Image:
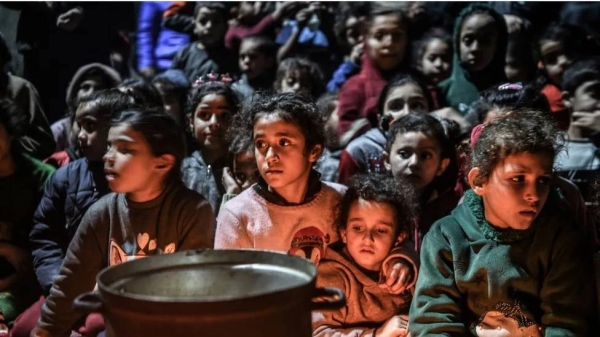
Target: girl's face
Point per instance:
(370, 233)
(92, 132)
(417, 156)
(210, 122)
(294, 81)
(354, 27)
(252, 62)
(435, 64)
(130, 167)
(386, 41)
(281, 155)
(554, 60)
(405, 99)
(478, 41)
(516, 190)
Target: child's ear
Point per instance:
(443, 165)
(567, 99)
(475, 181)
(315, 153)
(386, 161)
(343, 235)
(164, 163)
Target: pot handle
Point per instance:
(329, 304)
(88, 303)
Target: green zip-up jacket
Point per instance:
(475, 278)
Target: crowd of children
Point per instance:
(448, 184)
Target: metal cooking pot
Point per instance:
(210, 293)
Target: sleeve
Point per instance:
(331, 322)
(199, 230)
(231, 233)
(85, 257)
(263, 27)
(149, 21)
(408, 256)
(38, 140)
(351, 99)
(348, 167)
(47, 237)
(179, 17)
(436, 306)
(178, 60)
(568, 294)
(341, 75)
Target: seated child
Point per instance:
(22, 180)
(173, 87)
(207, 54)
(299, 74)
(420, 149)
(480, 39)
(329, 163)
(402, 96)
(142, 167)
(509, 260)
(243, 172)
(257, 61)
(210, 109)
(290, 209)
(68, 195)
(580, 162)
(375, 215)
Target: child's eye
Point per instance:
(284, 142)
(545, 180)
(518, 179)
(426, 155)
(356, 228)
(205, 116)
(382, 230)
(467, 40)
(418, 106)
(404, 154)
(259, 144)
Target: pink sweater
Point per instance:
(250, 221)
(367, 305)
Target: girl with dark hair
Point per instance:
(149, 212)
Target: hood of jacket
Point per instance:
(110, 75)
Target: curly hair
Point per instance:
(516, 132)
(214, 87)
(294, 108)
(305, 66)
(381, 188)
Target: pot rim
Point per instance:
(196, 257)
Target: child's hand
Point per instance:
(231, 185)
(588, 120)
(398, 277)
(356, 54)
(285, 9)
(70, 20)
(397, 326)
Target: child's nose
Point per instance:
(368, 236)
(532, 193)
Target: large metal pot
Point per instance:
(209, 293)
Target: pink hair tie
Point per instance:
(475, 133)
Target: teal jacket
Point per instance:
(474, 277)
(463, 87)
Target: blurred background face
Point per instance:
(252, 62)
(386, 41)
(478, 40)
(210, 26)
(435, 64)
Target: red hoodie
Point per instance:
(358, 97)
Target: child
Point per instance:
(348, 28)
(299, 74)
(509, 260)
(520, 66)
(173, 87)
(480, 38)
(560, 45)
(581, 93)
(329, 163)
(207, 54)
(257, 64)
(150, 212)
(375, 215)
(22, 180)
(290, 208)
(420, 148)
(88, 79)
(68, 195)
(386, 44)
(210, 109)
(432, 55)
(402, 96)
(243, 172)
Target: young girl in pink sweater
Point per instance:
(375, 215)
(290, 209)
